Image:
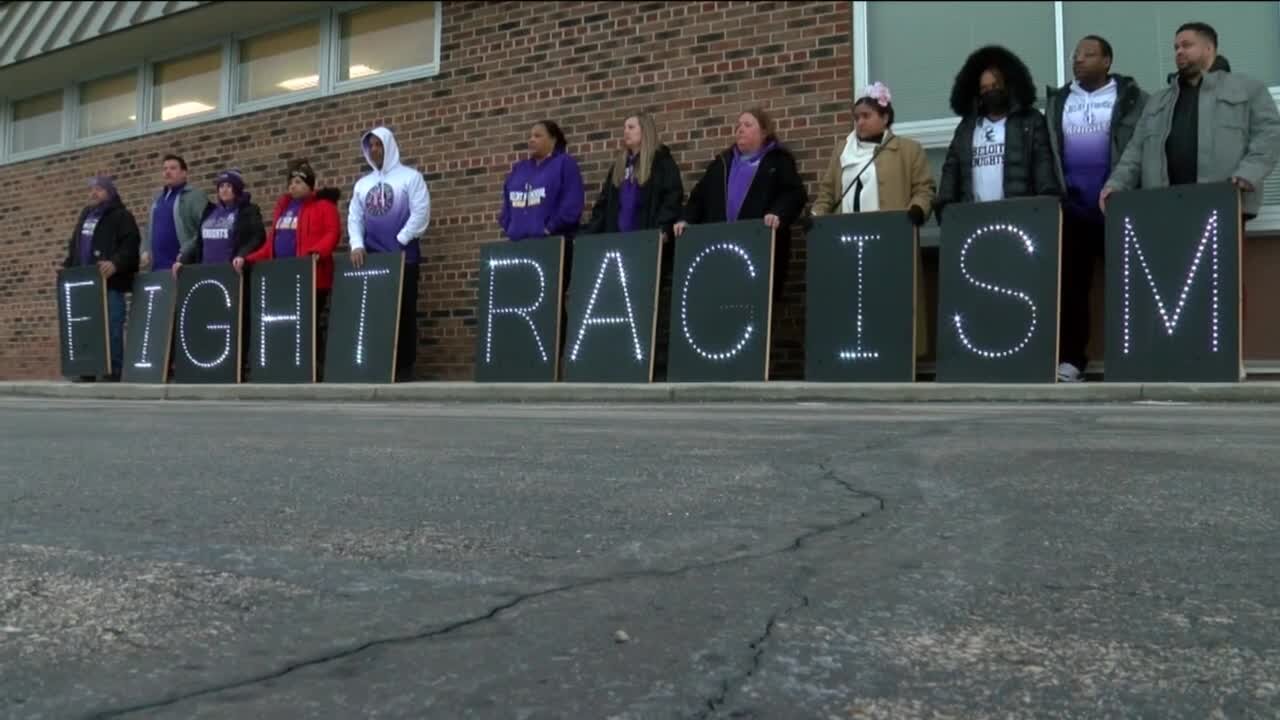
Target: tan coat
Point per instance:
(903, 180)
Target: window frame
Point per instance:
(328, 56)
(11, 127)
(937, 133)
(114, 135)
(387, 78)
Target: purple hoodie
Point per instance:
(541, 199)
(740, 177)
(215, 234)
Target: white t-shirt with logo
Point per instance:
(988, 160)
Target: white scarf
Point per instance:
(857, 154)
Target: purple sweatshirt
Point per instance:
(1086, 146)
(740, 177)
(541, 199)
(86, 235)
(164, 229)
(215, 233)
(628, 197)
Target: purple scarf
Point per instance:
(628, 197)
(741, 173)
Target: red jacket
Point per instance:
(318, 233)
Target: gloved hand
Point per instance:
(917, 215)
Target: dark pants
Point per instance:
(1083, 245)
(115, 329)
(407, 347)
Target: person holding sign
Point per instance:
(176, 213)
(390, 208)
(305, 222)
(230, 229)
(643, 189)
(1091, 121)
(756, 178)
(1001, 147)
(543, 195)
(873, 169)
(1175, 143)
(106, 235)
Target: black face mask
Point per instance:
(994, 102)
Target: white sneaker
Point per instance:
(1068, 373)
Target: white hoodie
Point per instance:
(390, 207)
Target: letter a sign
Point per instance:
(1173, 285)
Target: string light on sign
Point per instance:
(71, 321)
(1208, 241)
(496, 264)
(1022, 297)
(747, 331)
(144, 361)
(858, 353)
(364, 276)
(225, 327)
(630, 319)
(295, 318)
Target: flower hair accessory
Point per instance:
(879, 92)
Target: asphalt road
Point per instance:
(165, 560)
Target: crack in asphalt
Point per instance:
(757, 646)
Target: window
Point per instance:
(323, 52)
(1141, 35)
(37, 122)
(187, 87)
(279, 63)
(385, 38)
(109, 104)
(916, 50)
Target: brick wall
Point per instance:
(504, 66)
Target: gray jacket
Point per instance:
(1239, 136)
(187, 213)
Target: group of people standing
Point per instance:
(1100, 133)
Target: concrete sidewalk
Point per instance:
(789, 392)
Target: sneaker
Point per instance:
(1068, 373)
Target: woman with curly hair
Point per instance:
(1001, 148)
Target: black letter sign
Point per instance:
(282, 320)
(998, 292)
(364, 319)
(721, 303)
(1173, 285)
(208, 324)
(860, 319)
(613, 307)
(518, 338)
(82, 322)
(150, 331)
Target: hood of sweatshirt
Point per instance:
(390, 150)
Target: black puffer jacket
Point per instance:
(660, 198)
(1029, 169)
(115, 238)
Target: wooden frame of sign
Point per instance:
(999, 281)
(150, 328)
(95, 348)
(1173, 285)
(861, 329)
(726, 350)
(520, 360)
(219, 308)
(302, 271)
(613, 316)
(350, 355)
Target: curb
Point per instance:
(757, 392)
